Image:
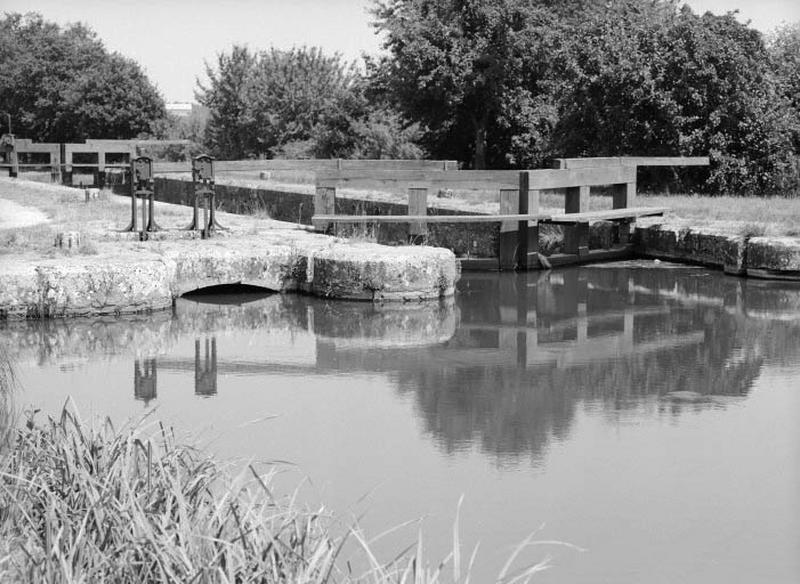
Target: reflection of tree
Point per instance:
(507, 411)
(488, 385)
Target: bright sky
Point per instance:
(171, 39)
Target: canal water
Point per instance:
(648, 414)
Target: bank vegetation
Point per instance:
(88, 502)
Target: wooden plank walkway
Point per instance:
(428, 218)
(611, 214)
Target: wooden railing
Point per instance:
(520, 201)
(317, 165)
(635, 161)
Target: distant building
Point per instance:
(180, 109)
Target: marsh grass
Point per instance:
(89, 503)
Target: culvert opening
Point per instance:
(228, 294)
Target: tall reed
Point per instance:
(89, 503)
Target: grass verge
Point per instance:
(88, 503)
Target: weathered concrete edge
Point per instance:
(742, 254)
(132, 283)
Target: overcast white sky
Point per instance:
(171, 39)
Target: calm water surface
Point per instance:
(648, 413)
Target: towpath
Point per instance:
(13, 215)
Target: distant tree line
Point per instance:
(62, 85)
(299, 104)
(512, 83)
(491, 83)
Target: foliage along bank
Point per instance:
(512, 83)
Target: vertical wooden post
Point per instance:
(55, 164)
(417, 205)
(624, 230)
(67, 175)
(14, 164)
(508, 242)
(528, 231)
(324, 204)
(576, 200)
(624, 195)
(101, 168)
(576, 237)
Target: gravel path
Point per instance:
(13, 215)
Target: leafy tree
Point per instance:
(297, 104)
(62, 85)
(784, 49)
(650, 79)
(292, 91)
(262, 103)
(230, 132)
(510, 83)
(477, 75)
(385, 133)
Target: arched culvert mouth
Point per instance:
(228, 294)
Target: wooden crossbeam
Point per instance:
(428, 218)
(381, 179)
(580, 177)
(629, 213)
(477, 179)
(313, 165)
(599, 161)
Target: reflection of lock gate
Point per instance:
(142, 187)
(204, 188)
(205, 371)
(145, 380)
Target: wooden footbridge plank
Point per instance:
(611, 214)
(429, 218)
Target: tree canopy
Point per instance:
(511, 83)
(491, 83)
(62, 85)
(476, 75)
(298, 103)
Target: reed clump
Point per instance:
(89, 503)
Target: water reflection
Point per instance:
(145, 380)
(504, 368)
(205, 370)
